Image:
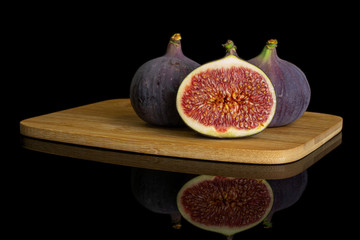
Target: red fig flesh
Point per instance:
(227, 98)
(291, 85)
(225, 205)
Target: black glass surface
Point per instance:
(68, 56)
(70, 190)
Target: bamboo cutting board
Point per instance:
(113, 124)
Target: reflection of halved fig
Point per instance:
(157, 190)
(227, 98)
(225, 205)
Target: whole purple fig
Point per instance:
(291, 85)
(155, 84)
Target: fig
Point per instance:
(225, 205)
(157, 190)
(286, 193)
(154, 86)
(291, 85)
(227, 98)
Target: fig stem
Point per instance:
(176, 220)
(271, 44)
(269, 49)
(230, 48)
(174, 47)
(175, 39)
(229, 237)
(267, 223)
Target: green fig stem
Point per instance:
(267, 223)
(269, 50)
(230, 48)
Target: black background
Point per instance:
(62, 56)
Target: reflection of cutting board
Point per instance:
(114, 125)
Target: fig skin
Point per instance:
(218, 194)
(229, 103)
(286, 193)
(154, 86)
(291, 85)
(157, 191)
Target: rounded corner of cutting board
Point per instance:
(26, 128)
(282, 156)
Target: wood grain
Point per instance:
(113, 124)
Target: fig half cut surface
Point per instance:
(227, 98)
(225, 205)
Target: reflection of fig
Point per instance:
(157, 190)
(225, 205)
(286, 193)
(227, 98)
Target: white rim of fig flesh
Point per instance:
(225, 230)
(231, 131)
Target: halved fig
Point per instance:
(227, 98)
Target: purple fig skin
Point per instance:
(286, 193)
(291, 85)
(155, 84)
(157, 190)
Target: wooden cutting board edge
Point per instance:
(32, 129)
